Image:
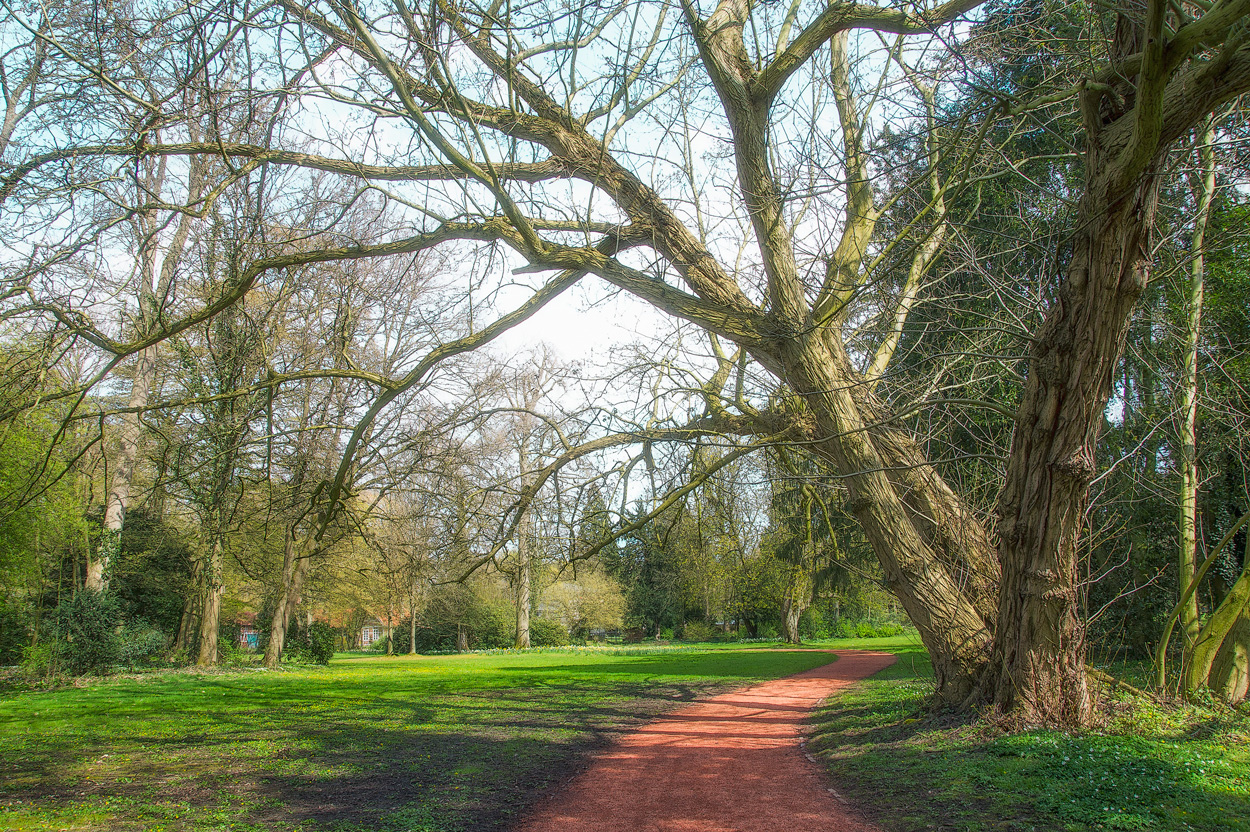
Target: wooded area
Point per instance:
(938, 308)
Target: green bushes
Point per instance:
(451, 612)
(313, 644)
(866, 629)
(86, 634)
(545, 633)
(14, 632)
(699, 631)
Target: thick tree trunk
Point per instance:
(189, 626)
(936, 557)
(796, 599)
(210, 618)
(1038, 671)
(1230, 674)
(524, 567)
(294, 567)
(522, 594)
(1199, 665)
(791, 612)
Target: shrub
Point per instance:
(37, 659)
(812, 624)
(312, 645)
(449, 610)
(546, 633)
(84, 634)
(140, 643)
(698, 631)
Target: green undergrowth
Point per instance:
(411, 744)
(1148, 767)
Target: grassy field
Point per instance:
(1147, 768)
(369, 743)
(453, 743)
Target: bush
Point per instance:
(84, 634)
(37, 659)
(312, 645)
(449, 610)
(812, 624)
(698, 631)
(845, 628)
(139, 644)
(546, 633)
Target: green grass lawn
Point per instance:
(1148, 768)
(469, 742)
(369, 743)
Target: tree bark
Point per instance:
(210, 617)
(936, 599)
(524, 566)
(412, 618)
(1230, 674)
(189, 626)
(1187, 520)
(118, 501)
(294, 567)
(1039, 662)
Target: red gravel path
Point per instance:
(732, 763)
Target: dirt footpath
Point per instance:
(733, 763)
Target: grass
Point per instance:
(370, 743)
(467, 743)
(1148, 767)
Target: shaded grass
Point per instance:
(407, 743)
(1149, 767)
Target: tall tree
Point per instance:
(503, 105)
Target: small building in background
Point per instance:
(370, 632)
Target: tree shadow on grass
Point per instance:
(473, 761)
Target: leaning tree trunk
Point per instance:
(1038, 671)
(935, 570)
(1230, 674)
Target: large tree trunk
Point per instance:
(797, 598)
(210, 617)
(189, 625)
(294, 567)
(522, 593)
(935, 569)
(524, 567)
(1230, 674)
(1038, 672)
